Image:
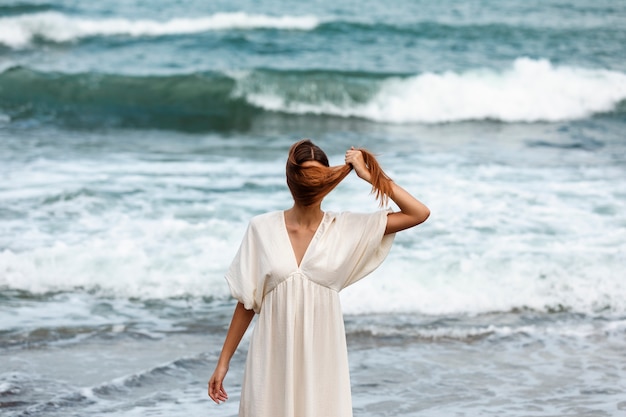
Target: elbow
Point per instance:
(423, 215)
(418, 217)
(406, 220)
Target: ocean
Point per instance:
(137, 139)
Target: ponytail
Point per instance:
(381, 183)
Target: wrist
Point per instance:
(223, 363)
(367, 177)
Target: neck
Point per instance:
(305, 215)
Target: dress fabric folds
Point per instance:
(297, 363)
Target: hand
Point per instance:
(354, 157)
(216, 389)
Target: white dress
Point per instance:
(297, 363)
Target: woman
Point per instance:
(289, 269)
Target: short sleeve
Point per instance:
(244, 272)
(368, 244)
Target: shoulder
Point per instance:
(351, 222)
(348, 216)
(266, 219)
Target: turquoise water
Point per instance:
(138, 138)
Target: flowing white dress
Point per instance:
(297, 363)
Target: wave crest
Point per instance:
(530, 91)
(20, 31)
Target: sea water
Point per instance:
(137, 140)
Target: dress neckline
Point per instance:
(313, 239)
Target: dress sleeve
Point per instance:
(244, 272)
(368, 244)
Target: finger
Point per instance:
(218, 393)
(213, 391)
(217, 398)
(352, 158)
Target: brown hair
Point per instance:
(310, 184)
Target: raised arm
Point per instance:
(238, 326)
(412, 211)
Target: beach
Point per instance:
(137, 140)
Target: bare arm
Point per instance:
(412, 211)
(238, 326)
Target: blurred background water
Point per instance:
(138, 138)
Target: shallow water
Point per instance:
(501, 364)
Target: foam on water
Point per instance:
(20, 31)
(173, 258)
(458, 329)
(170, 234)
(130, 260)
(116, 227)
(530, 91)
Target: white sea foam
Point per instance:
(129, 261)
(462, 332)
(20, 31)
(530, 91)
(428, 271)
(475, 284)
(132, 227)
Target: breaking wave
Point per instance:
(528, 91)
(20, 31)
